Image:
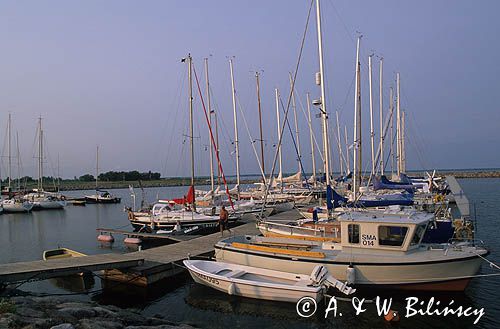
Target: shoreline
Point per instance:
(205, 181)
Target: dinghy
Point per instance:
(259, 283)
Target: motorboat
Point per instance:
(260, 283)
(375, 249)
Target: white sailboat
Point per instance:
(40, 198)
(100, 196)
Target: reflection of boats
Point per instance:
(259, 283)
(73, 283)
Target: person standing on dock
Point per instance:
(223, 221)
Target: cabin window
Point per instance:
(419, 233)
(353, 233)
(391, 235)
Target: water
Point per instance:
(26, 236)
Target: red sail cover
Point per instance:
(186, 199)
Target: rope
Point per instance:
(488, 261)
(287, 109)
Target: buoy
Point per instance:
(129, 240)
(230, 289)
(105, 238)
(392, 316)
(350, 275)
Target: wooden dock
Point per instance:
(139, 268)
(39, 270)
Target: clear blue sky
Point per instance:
(109, 73)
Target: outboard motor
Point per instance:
(318, 275)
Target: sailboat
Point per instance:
(13, 203)
(40, 198)
(100, 196)
(178, 216)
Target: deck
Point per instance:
(141, 267)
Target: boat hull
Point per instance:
(254, 289)
(446, 275)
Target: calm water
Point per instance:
(25, 236)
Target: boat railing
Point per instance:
(297, 229)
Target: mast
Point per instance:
(348, 156)
(398, 125)
(217, 146)
(403, 146)
(280, 175)
(191, 130)
(312, 139)
(357, 127)
(18, 163)
(323, 102)
(235, 117)
(294, 107)
(260, 125)
(372, 133)
(210, 127)
(391, 113)
(97, 168)
(40, 154)
(381, 119)
(340, 146)
(9, 152)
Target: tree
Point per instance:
(86, 178)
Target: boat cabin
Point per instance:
(365, 230)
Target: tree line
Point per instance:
(115, 176)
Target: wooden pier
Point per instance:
(139, 268)
(39, 270)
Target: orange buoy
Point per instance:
(129, 240)
(105, 238)
(392, 316)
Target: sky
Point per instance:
(108, 73)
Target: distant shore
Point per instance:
(71, 185)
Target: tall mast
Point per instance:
(391, 113)
(209, 128)
(347, 152)
(10, 155)
(191, 130)
(312, 139)
(372, 132)
(381, 119)
(217, 146)
(277, 96)
(97, 167)
(40, 155)
(357, 127)
(58, 174)
(398, 125)
(235, 117)
(260, 125)
(403, 146)
(324, 113)
(18, 163)
(294, 107)
(339, 144)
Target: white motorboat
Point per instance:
(16, 205)
(259, 283)
(383, 250)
